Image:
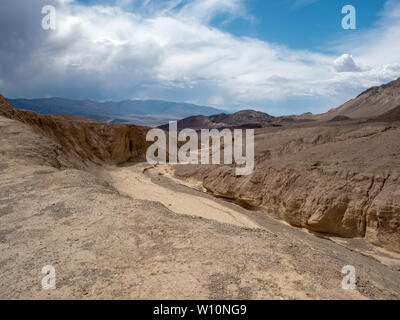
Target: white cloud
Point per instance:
(168, 50)
(346, 63)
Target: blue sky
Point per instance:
(281, 57)
(303, 24)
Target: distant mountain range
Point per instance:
(377, 104)
(142, 112)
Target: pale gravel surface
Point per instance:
(132, 181)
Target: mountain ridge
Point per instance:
(142, 112)
(377, 103)
(370, 103)
(240, 119)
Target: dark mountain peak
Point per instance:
(240, 119)
(249, 111)
(252, 114)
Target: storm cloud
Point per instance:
(169, 50)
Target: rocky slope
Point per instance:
(390, 116)
(337, 179)
(369, 104)
(83, 141)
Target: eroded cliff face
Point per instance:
(341, 180)
(84, 142)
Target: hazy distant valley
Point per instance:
(141, 112)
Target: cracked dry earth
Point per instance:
(131, 232)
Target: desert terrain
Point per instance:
(78, 195)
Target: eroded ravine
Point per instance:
(157, 183)
(132, 181)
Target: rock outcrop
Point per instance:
(342, 180)
(85, 142)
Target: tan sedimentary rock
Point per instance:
(85, 141)
(341, 180)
